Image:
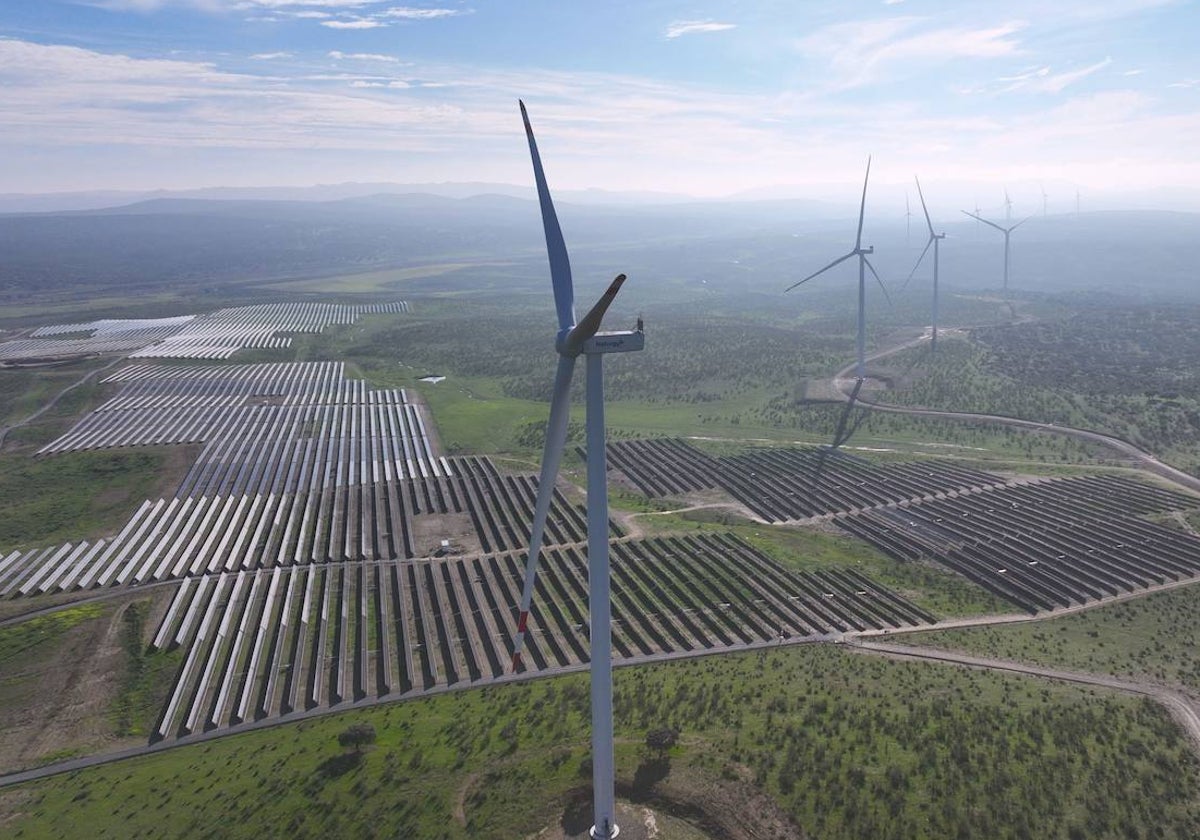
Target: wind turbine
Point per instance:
(1007, 206)
(573, 339)
(1007, 231)
(1042, 187)
(934, 239)
(907, 222)
(863, 264)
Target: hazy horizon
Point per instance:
(703, 100)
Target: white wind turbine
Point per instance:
(907, 222)
(1007, 231)
(934, 239)
(573, 339)
(863, 264)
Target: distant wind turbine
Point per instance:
(1007, 206)
(1007, 231)
(907, 221)
(1042, 187)
(863, 264)
(934, 239)
(575, 338)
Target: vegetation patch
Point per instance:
(149, 675)
(847, 746)
(1151, 638)
(72, 495)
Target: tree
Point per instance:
(357, 735)
(662, 739)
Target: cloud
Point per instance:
(1042, 81)
(271, 56)
(354, 23)
(338, 55)
(690, 27)
(166, 120)
(859, 52)
(411, 13)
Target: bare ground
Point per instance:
(57, 700)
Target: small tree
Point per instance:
(357, 735)
(662, 739)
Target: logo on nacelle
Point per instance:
(622, 342)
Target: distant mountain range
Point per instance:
(96, 200)
(228, 238)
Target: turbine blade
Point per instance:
(822, 271)
(882, 287)
(862, 207)
(1018, 224)
(923, 207)
(556, 438)
(985, 221)
(918, 263)
(590, 323)
(556, 248)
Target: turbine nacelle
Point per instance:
(571, 340)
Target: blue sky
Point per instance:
(686, 97)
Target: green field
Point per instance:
(1153, 638)
(847, 746)
(73, 495)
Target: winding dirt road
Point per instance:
(4, 430)
(1181, 707)
(843, 383)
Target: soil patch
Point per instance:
(59, 685)
(680, 801)
(430, 529)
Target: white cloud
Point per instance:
(690, 27)
(860, 51)
(412, 13)
(354, 23)
(1042, 81)
(459, 122)
(338, 55)
(271, 56)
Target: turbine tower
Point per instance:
(934, 239)
(575, 339)
(1042, 187)
(1007, 231)
(863, 264)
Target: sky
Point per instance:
(766, 98)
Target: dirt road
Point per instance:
(1181, 707)
(843, 384)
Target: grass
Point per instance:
(848, 746)
(1151, 638)
(30, 638)
(73, 495)
(149, 675)
(938, 591)
(384, 281)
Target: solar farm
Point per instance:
(326, 552)
(1041, 543)
(323, 551)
